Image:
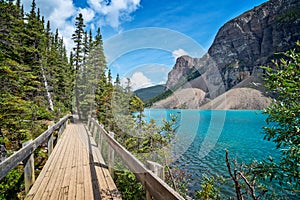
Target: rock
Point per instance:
(240, 47)
(184, 98)
(183, 67)
(251, 39)
(239, 99)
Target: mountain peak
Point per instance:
(240, 47)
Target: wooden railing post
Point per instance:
(29, 176)
(65, 124)
(158, 170)
(97, 134)
(50, 141)
(94, 130)
(50, 144)
(100, 140)
(91, 129)
(89, 123)
(94, 133)
(61, 129)
(111, 157)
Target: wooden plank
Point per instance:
(88, 186)
(44, 177)
(91, 184)
(72, 185)
(108, 189)
(73, 171)
(64, 189)
(81, 174)
(58, 183)
(57, 169)
(99, 166)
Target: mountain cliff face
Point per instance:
(240, 47)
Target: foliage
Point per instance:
(12, 184)
(31, 57)
(209, 189)
(283, 80)
(129, 186)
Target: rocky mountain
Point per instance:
(240, 47)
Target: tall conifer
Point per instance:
(78, 57)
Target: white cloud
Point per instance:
(138, 80)
(87, 14)
(179, 52)
(59, 13)
(62, 14)
(116, 11)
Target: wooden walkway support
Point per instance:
(156, 188)
(75, 170)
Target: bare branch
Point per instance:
(234, 177)
(228, 165)
(250, 186)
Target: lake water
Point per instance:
(203, 136)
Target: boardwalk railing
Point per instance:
(25, 154)
(156, 188)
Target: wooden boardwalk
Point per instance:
(74, 170)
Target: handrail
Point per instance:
(157, 188)
(25, 152)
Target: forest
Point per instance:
(41, 82)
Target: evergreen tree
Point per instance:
(78, 40)
(78, 57)
(109, 77)
(93, 69)
(25, 61)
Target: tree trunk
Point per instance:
(51, 106)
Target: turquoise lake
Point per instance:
(203, 136)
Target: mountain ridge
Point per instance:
(148, 93)
(241, 46)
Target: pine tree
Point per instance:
(92, 70)
(78, 58)
(17, 80)
(78, 40)
(96, 66)
(109, 77)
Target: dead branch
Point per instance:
(234, 177)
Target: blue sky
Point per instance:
(147, 34)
